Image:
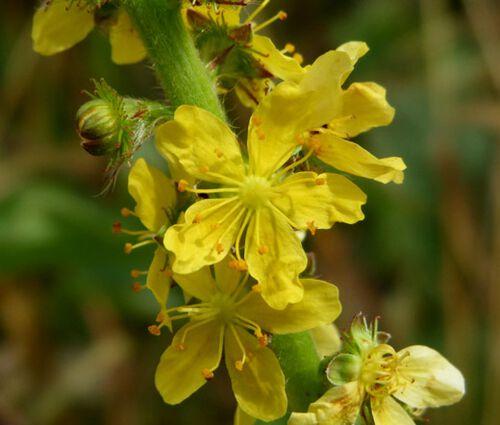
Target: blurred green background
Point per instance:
(74, 348)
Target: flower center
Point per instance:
(224, 307)
(254, 192)
(379, 373)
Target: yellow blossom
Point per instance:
(372, 372)
(60, 24)
(322, 115)
(233, 319)
(261, 203)
(155, 198)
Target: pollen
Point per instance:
(125, 212)
(219, 153)
(319, 181)
(256, 120)
(240, 265)
(127, 248)
(238, 364)
(180, 346)
(263, 341)
(154, 330)
(298, 58)
(117, 227)
(257, 288)
(204, 168)
(219, 248)
(214, 226)
(182, 185)
(261, 135)
(282, 15)
(197, 218)
(312, 228)
(207, 374)
(137, 287)
(263, 249)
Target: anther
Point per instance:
(300, 140)
(160, 317)
(136, 273)
(117, 227)
(240, 265)
(256, 121)
(207, 374)
(260, 134)
(197, 218)
(282, 15)
(214, 226)
(263, 249)
(127, 248)
(204, 168)
(312, 228)
(298, 58)
(180, 346)
(257, 288)
(137, 287)
(289, 47)
(219, 248)
(319, 181)
(219, 153)
(125, 212)
(238, 364)
(154, 330)
(263, 341)
(182, 185)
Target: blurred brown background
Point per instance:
(73, 342)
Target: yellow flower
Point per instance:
(318, 111)
(60, 24)
(155, 198)
(234, 319)
(262, 199)
(241, 58)
(372, 372)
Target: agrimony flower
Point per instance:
(60, 24)
(261, 203)
(233, 319)
(323, 116)
(369, 373)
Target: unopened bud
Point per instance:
(97, 125)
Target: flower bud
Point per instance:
(344, 368)
(97, 125)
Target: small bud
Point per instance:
(344, 368)
(97, 125)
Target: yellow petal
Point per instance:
(339, 405)
(352, 158)
(126, 45)
(387, 411)
(58, 26)
(326, 339)
(241, 418)
(207, 236)
(364, 106)
(259, 387)
(319, 306)
(355, 50)
(291, 109)
(199, 284)
(275, 258)
(298, 418)
(313, 200)
(430, 379)
(203, 144)
(251, 91)
(279, 65)
(154, 194)
(226, 278)
(158, 280)
(180, 371)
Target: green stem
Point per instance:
(301, 366)
(182, 74)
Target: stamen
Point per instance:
(154, 330)
(182, 185)
(207, 374)
(128, 247)
(240, 234)
(240, 265)
(295, 164)
(238, 364)
(160, 317)
(288, 220)
(256, 120)
(256, 12)
(217, 206)
(260, 134)
(137, 287)
(298, 58)
(289, 48)
(125, 212)
(263, 249)
(194, 325)
(263, 341)
(257, 288)
(319, 181)
(219, 153)
(204, 168)
(312, 228)
(117, 227)
(219, 248)
(136, 273)
(281, 15)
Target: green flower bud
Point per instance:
(344, 368)
(97, 125)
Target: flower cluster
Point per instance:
(225, 225)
